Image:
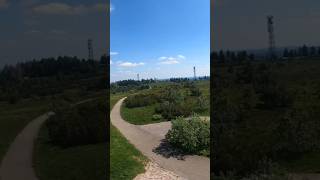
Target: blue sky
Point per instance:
(159, 38)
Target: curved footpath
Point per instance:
(192, 167)
(17, 163)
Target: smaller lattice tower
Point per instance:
(272, 44)
(194, 73)
(90, 50)
(138, 78)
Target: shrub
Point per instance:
(141, 100)
(195, 91)
(202, 104)
(156, 117)
(172, 110)
(79, 125)
(191, 136)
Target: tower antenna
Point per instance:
(90, 50)
(194, 73)
(138, 77)
(272, 43)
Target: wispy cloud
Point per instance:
(56, 8)
(111, 8)
(171, 60)
(113, 53)
(130, 64)
(3, 3)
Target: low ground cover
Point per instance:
(166, 101)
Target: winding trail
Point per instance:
(17, 163)
(192, 167)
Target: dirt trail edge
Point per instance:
(192, 167)
(17, 163)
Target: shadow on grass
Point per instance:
(167, 150)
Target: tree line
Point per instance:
(48, 76)
(240, 56)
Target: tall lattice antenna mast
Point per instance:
(272, 43)
(90, 50)
(194, 73)
(138, 77)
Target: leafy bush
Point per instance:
(201, 104)
(192, 136)
(156, 117)
(172, 110)
(141, 100)
(79, 125)
(195, 91)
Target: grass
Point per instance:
(125, 161)
(139, 115)
(80, 162)
(14, 117)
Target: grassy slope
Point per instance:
(143, 115)
(14, 117)
(125, 161)
(80, 162)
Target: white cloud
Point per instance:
(181, 56)
(113, 53)
(3, 3)
(171, 60)
(130, 64)
(111, 8)
(56, 8)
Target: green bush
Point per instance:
(156, 117)
(191, 136)
(141, 100)
(172, 110)
(79, 125)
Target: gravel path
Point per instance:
(17, 163)
(190, 167)
(155, 172)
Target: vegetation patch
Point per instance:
(166, 101)
(83, 162)
(190, 135)
(78, 125)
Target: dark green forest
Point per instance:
(50, 76)
(266, 113)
